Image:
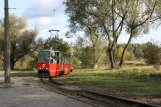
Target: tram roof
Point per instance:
(49, 50)
(54, 51)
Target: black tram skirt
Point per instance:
(43, 74)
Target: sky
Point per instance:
(40, 13)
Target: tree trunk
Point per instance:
(124, 50)
(111, 58)
(12, 64)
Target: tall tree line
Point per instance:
(109, 18)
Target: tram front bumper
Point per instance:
(43, 74)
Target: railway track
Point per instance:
(56, 87)
(106, 100)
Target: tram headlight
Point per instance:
(40, 68)
(47, 68)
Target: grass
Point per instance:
(23, 73)
(141, 80)
(130, 79)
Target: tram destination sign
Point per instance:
(44, 52)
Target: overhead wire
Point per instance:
(39, 9)
(54, 10)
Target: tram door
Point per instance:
(55, 60)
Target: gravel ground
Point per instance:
(28, 94)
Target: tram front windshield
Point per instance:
(44, 57)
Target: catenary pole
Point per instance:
(6, 43)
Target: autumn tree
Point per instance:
(140, 17)
(21, 40)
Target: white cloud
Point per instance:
(43, 8)
(40, 14)
(41, 1)
(45, 21)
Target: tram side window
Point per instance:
(54, 58)
(57, 57)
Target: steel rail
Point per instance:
(59, 90)
(107, 99)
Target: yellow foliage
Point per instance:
(119, 54)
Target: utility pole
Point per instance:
(6, 43)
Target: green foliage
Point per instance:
(87, 58)
(33, 62)
(137, 50)
(76, 62)
(22, 41)
(103, 60)
(78, 47)
(109, 17)
(56, 44)
(152, 53)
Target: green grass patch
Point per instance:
(142, 80)
(23, 73)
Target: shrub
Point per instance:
(152, 53)
(76, 62)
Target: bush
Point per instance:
(152, 53)
(76, 62)
(87, 58)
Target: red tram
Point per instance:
(53, 63)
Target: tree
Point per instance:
(1, 39)
(76, 62)
(84, 52)
(152, 53)
(56, 44)
(52, 43)
(118, 54)
(110, 17)
(23, 46)
(21, 40)
(96, 43)
(107, 16)
(138, 22)
(87, 57)
(138, 50)
(1, 45)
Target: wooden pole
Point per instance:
(6, 43)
